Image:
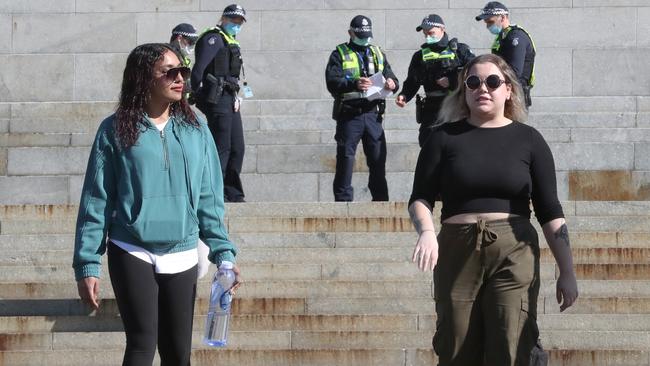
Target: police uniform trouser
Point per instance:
(349, 130)
(228, 133)
(486, 284)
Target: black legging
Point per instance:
(155, 308)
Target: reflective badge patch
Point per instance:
(515, 41)
(212, 40)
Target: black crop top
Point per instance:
(488, 170)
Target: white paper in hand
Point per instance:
(377, 91)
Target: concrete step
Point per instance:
(358, 323)
(603, 241)
(333, 224)
(375, 357)
(582, 340)
(108, 307)
(250, 289)
(346, 270)
(333, 209)
(324, 289)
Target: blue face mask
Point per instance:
(363, 42)
(495, 29)
(231, 28)
(432, 39)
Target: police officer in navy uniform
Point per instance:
(512, 43)
(435, 67)
(184, 38)
(215, 84)
(357, 117)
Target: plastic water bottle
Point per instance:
(216, 326)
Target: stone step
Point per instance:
(332, 224)
(359, 322)
(375, 357)
(609, 245)
(250, 289)
(346, 270)
(582, 340)
(332, 209)
(108, 307)
(326, 289)
(316, 158)
(547, 304)
(324, 134)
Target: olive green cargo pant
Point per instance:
(486, 284)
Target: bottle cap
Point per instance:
(226, 265)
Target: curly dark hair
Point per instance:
(135, 94)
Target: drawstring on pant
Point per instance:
(484, 234)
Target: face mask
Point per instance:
(362, 41)
(432, 39)
(495, 29)
(232, 28)
(187, 50)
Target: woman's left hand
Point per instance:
(567, 290)
(238, 280)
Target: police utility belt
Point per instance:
(341, 109)
(426, 108)
(214, 87)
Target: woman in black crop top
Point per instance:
(487, 168)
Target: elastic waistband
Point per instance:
(493, 223)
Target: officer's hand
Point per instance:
(363, 84)
(400, 101)
(443, 82)
(390, 84)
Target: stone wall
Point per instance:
(63, 61)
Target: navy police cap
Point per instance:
(491, 9)
(234, 10)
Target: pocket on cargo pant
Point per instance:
(441, 337)
(529, 349)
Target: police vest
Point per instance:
(228, 61)
(351, 65)
(496, 46)
(187, 62)
(431, 56)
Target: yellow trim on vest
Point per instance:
(350, 60)
(229, 39)
(496, 46)
(428, 55)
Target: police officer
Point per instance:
(357, 117)
(215, 84)
(183, 39)
(435, 67)
(512, 43)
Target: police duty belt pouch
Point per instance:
(212, 89)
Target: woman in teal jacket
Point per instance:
(152, 188)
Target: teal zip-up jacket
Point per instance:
(161, 194)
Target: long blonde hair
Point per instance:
(454, 107)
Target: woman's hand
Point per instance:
(238, 281)
(426, 251)
(88, 289)
(567, 290)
